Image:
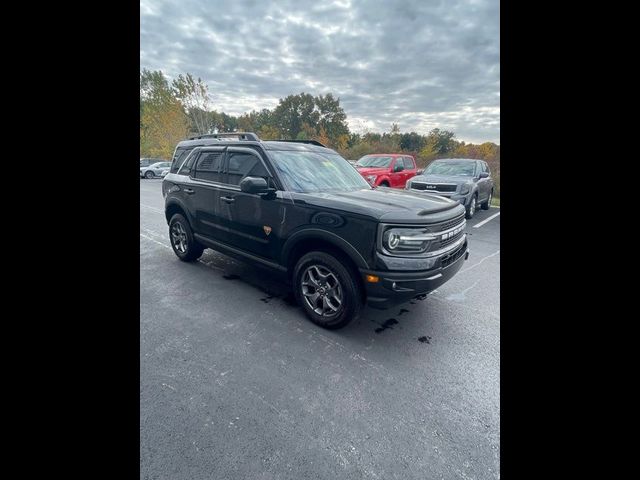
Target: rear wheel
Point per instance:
(327, 290)
(487, 204)
(384, 184)
(149, 174)
(184, 245)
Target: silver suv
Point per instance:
(155, 170)
(467, 181)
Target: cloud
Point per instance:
(419, 63)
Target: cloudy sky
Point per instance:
(419, 63)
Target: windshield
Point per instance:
(316, 172)
(374, 161)
(451, 168)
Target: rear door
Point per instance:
(409, 169)
(396, 178)
(204, 190)
(484, 183)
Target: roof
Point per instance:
(295, 145)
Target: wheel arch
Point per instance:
(176, 206)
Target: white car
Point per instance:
(155, 170)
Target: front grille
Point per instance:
(447, 242)
(434, 187)
(453, 256)
(454, 222)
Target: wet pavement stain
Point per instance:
(403, 310)
(268, 298)
(425, 339)
(388, 324)
(230, 276)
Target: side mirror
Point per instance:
(398, 168)
(420, 171)
(255, 185)
(483, 174)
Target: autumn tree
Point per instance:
(163, 122)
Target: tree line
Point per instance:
(171, 112)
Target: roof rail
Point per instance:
(240, 135)
(310, 142)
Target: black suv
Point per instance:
(303, 210)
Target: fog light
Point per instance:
(373, 279)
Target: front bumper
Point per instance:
(396, 287)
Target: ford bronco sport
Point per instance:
(301, 209)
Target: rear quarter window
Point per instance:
(178, 158)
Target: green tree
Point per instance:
(292, 112)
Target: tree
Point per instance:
(194, 96)
(163, 122)
(292, 111)
(331, 117)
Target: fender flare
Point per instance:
(324, 235)
(178, 203)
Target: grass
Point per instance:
(495, 201)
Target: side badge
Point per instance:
(267, 229)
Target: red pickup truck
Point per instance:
(387, 170)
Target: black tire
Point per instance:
(384, 184)
(149, 174)
(347, 290)
(487, 204)
(472, 207)
(182, 241)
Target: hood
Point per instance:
(442, 179)
(386, 205)
(372, 170)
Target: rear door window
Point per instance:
(208, 166)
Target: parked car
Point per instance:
(382, 170)
(147, 162)
(466, 181)
(154, 170)
(300, 209)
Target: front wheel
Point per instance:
(327, 290)
(149, 174)
(471, 208)
(184, 245)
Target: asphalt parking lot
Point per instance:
(236, 383)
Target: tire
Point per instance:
(182, 241)
(384, 184)
(340, 300)
(471, 208)
(149, 174)
(487, 204)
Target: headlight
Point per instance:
(408, 185)
(406, 240)
(465, 188)
(371, 178)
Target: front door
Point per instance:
(250, 222)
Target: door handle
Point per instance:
(189, 191)
(228, 199)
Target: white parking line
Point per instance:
(151, 208)
(478, 225)
(155, 241)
